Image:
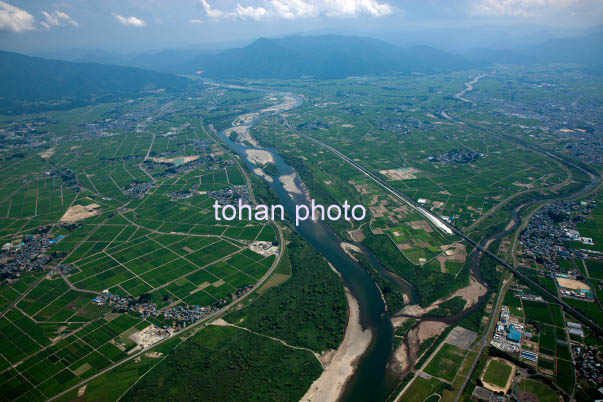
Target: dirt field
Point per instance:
(572, 284)
(456, 252)
(405, 355)
(400, 174)
(200, 287)
(349, 248)
(82, 391)
(78, 212)
(471, 293)
(273, 281)
(428, 329)
(418, 225)
(356, 235)
(495, 388)
(178, 160)
(148, 336)
(48, 153)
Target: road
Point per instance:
(484, 341)
(199, 324)
(434, 219)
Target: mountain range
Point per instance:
(336, 56)
(325, 57)
(586, 50)
(33, 79)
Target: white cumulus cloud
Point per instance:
(294, 9)
(209, 11)
(57, 18)
(524, 8)
(130, 21)
(14, 19)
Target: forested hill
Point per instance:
(327, 56)
(24, 78)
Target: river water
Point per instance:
(372, 380)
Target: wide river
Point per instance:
(371, 380)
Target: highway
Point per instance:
(434, 219)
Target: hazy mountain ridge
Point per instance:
(36, 79)
(586, 50)
(337, 56)
(324, 57)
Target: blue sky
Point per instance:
(155, 24)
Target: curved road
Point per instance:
(590, 187)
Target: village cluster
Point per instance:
(588, 365)
(27, 253)
(177, 317)
(231, 195)
(456, 156)
(185, 194)
(136, 189)
(544, 239)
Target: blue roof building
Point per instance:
(514, 335)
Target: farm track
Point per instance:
(193, 328)
(197, 325)
(589, 188)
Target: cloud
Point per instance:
(294, 9)
(14, 19)
(130, 21)
(195, 21)
(209, 11)
(523, 8)
(57, 19)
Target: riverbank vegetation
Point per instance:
(394, 297)
(309, 310)
(229, 364)
(429, 285)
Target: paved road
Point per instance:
(484, 342)
(201, 323)
(595, 182)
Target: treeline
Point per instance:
(449, 307)
(224, 364)
(309, 310)
(394, 297)
(429, 285)
(333, 194)
(231, 364)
